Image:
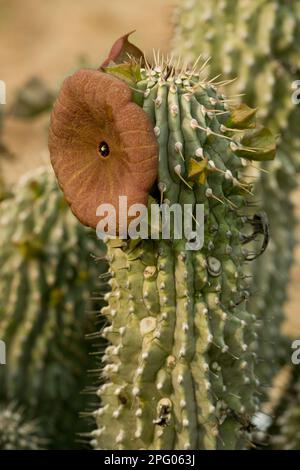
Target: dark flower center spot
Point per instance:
(104, 149)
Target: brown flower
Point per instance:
(102, 145)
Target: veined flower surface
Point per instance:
(102, 145)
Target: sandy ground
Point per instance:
(49, 39)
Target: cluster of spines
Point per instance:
(18, 434)
(253, 41)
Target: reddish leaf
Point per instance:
(121, 50)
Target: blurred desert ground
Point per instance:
(49, 39)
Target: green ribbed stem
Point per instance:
(178, 358)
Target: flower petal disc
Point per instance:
(102, 145)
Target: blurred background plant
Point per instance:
(50, 292)
(16, 433)
(253, 43)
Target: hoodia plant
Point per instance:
(255, 43)
(180, 367)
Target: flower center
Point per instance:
(104, 149)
